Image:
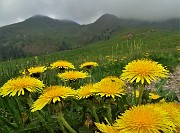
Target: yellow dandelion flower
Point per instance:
(173, 112)
(110, 86)
(88, 65)
(62, 64)
(34, 71)
(52, 94)
(153, 96)
(144, 119)
(143, 70)
(85, 91)
(38, 69)
(176, 105)
(20, 85)
(73, 75)
(106, 128)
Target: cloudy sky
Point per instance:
(87, 11)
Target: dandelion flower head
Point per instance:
(52, 94)
(73, 75)
(110, 87)
(176, 105)
(144, 119)
(173, 112)
(62, 64)
(88, 64)
(143, 70)
(38, 69)
(154, 96)
(20, 85)
(85, 91)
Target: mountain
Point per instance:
(41, 34)
(39, 22)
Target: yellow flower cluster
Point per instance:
(150, 118)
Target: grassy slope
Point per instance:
(158, 41)
(160, 45)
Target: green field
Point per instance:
(157, 43)
(112, 55)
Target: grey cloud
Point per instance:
(87, 11)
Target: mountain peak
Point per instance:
(36, 17)
(107, 18)
(39, 16)
(40, 20)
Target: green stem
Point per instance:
(141, 94)
(135, 101)
(90, 76)
(94, 112)
(61, 125)
(30, 102)
(64, 122)
(109, 112)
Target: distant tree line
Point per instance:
(9, 52)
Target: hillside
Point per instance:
(40, 34)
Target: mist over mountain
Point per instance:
(41, 34)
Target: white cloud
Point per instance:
(86, 11)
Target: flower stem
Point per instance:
(61, 125)
(90, 73)
(141, 94)
(109, 112)
(94, 112)
(135, 99)
(64, 122)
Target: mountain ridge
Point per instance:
(107, 15)
(41, 34)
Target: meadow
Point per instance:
(95, 110)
